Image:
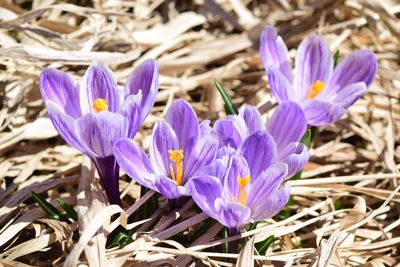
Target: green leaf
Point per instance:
(153, 202)
(252, 226)
(306, 139)
(225, 246)
(263, 246)
(71, 212)
(230, 108)
(144, 209)
(336, 57)
(290, 201)
(51, 211)
(121, 239)
(283, 214)
(149, 207)
(338, 204)
(297, 176)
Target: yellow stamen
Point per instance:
(242, 182)
(100, 104)
(177, 157)
(315, 89)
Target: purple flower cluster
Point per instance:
(237, 169)
(247, 182)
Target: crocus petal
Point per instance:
(259, 150)
(313, 62)
(163, 140)
(205, 127)
(183, 121)
(65, 125)
(205, 190)
(231, 131)
(350, 94)
(225, 151)
(203, 153)
(267, 182)
(237, 166)
(288, 124)
(62, 90)
(360, 66)
(319, 113)
(295, 155)
(274, 52)
(132, 159)
(252, 118)
(231, 214)
(216, 168)
(144, 78)
(132, 110)
(99, 132)
(169, 189)
(281, 88)
(272, 204)
(98, 82)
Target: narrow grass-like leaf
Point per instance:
(263, 246)
(282, 215)
(144, 210)
(252, 226)
(51, 211)
(71, 212)
(285, 213)
(121, 239)
(151, 205)
(230, 108)
(225, 246)
(306, 139)
(336, 57)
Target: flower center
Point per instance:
(176, 156)
(315, 89)
(100, 104)
(243, 182)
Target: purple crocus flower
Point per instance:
(287, 126)
(244, 187)
(247, 182)
(92, 115)
(178, 149)
(324, 94)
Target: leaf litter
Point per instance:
(345, 209)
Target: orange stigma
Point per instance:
(315, 89)
(243, 182)
(177, 157)
(100, 104)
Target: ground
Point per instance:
(344, 210)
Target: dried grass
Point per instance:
(354, 163)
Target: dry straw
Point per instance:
(346, 207)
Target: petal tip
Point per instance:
(269, 31)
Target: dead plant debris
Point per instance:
(345, 210)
